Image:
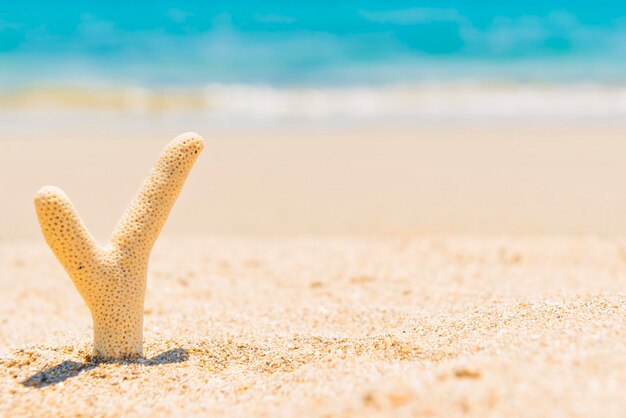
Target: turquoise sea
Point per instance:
(364, 57)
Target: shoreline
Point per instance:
(460, 101)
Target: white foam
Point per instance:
(425, 101)
(406, 103)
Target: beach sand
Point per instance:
(332, 327)
(446, 272)
(479, 180)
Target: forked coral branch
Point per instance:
(112, 279)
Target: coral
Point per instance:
(112, 279)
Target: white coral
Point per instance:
(112, 279)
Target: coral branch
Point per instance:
(112, 279)
(146, 215)
(66, 234)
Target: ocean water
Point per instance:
(285, 59)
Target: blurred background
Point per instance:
(349, 117)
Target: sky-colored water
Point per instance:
(327, 43)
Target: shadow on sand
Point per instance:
(68, 369)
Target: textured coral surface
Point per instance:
(112, 279)
(318, 327)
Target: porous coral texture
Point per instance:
(112, 279)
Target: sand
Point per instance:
(327, 326)
(478, 180)
(449, 271)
